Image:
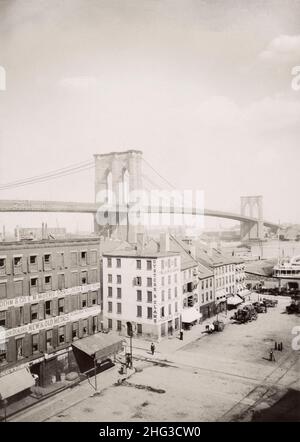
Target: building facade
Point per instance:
(49, 297)
(143, 288)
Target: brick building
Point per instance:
(49, 298)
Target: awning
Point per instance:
(99, 346)
(234, 300)
(190, 315)
(220, 296)
(16, 382)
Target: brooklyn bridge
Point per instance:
(114, 168)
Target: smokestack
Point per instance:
(17, 233)
(140, 242)
(3, 233)
(164, 242)
(43, 231)
(192, 250)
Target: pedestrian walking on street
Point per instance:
(272, 357)
(181, 334)
(152, 348)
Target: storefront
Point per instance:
(190, 316)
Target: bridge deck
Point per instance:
(82, 207)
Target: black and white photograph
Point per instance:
(149, 215)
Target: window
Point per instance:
(139, 329)
(139, 295)
(169, 293)
(33, 282)
(139, 311)
(169, 279)
(162, 281)
(109, 292)
(169, 262)
(162, 296)
(83, 300)
(118, 262)
(206, 284)
(109, 307)
(119, 308)
(202, 285)
(34, 312)
(61, 335)
(162, 312)
(170, 309)
(175, 278)
(119, 292)
(109, 278)
(149, 282)
(211, 294)
(162, 264)
(149, 296)
(175, 262)
(175, 292)
(48, 280)
(149, 312)
(119, 279)
(138, 280)
(2, 319)
(18, 288)
(85, 327)
(149, 265)
(48, 308)
(35, 343)
(61, 306)
(206, 296)
(17, 261)
(19, 347)
(83, 256)
(94, 298)
(109, 324)
(176, 307)
(74, 331)
(202, 298)
(49, 340)
(84, 277)
(119, 325)
(33, 259)
(210, 282)
(2, 263)
(108, 262)
(138, 264)
(47, 258)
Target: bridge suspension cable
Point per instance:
(58, 173)
(158, 174)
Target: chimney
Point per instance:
(140, 242)
(17, 233)
(164, 242)
(192, 250)
(3, 233)
(43, 230)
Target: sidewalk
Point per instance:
(172, 344)
(69, 397)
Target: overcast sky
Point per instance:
(202, 87)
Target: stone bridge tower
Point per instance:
(116, 174)
(252, 206)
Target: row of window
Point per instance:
(47, 261)
(221, 281)
(46, 309)
(224, 269)
(47, 340)
(206, 283)
(167, 263)
(47, 283)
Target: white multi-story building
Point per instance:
(143, 287)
